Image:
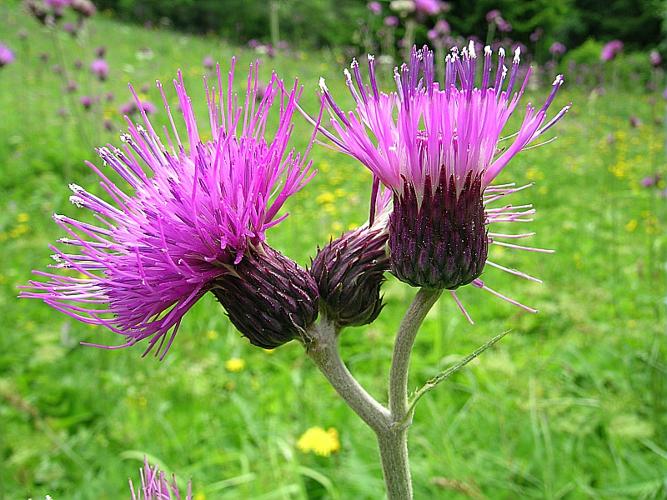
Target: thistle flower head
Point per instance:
(100, 68)
(188, 212)
(6, 55)
(349, 271)
(611, 50)
(437, 147)
(155, 486)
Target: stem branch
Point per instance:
(323, 350)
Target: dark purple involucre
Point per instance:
(442, 242)
(268, 298)
(349, 271)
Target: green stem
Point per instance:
(323, 350)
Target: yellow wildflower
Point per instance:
(317, 440)
(212, 335)
(325, 198)
(234, 365)
(336, 227)
(631, 225)
(23, 217)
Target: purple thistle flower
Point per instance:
(374, 7)
(100, 68)
(611, 50)
(195, 212)
(428, 7)
(132, 107)
(437, 149)
(391, 21)
(503, 26)
(650, 181)
(85, 8)
(536, 35)
(57, 4)
(86, 102)
(71, 87)
(155, 486)
(70, 28)
(492, 15)
(100, 52)
(349, 271)
(208, 62)
(6, 56)
(557, 49)
(655, 58)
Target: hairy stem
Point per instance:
(323, 350)
(405, 339)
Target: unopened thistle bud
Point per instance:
(349, 272)
(268, 297)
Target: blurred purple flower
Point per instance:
(155, 486)
(557, 49)
(86, 102)
(503, 26)
(635, 122)
(6, 55)
(100, 52)
(85, 8)
(145, 88)
(78, 64)
(100, 68)
(23, 34)
(428, 7)
(208, 62)
(611, 50)
(655, 58)
(391, 21)
(253, 44)
(71, 87)
(442, 27)
(492, 15)
(57, 4)
(130, 108)
(375, 7)
(109, 97)
(108, 125)
(536, 35)
(664, 93)
(62, 112)
(70, 28)
(191, 215)
(57, 69)
(650, 181)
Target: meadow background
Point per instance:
(572, 404)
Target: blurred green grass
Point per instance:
(571, 405)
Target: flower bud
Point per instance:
(349, 272)
(440, 242)
(268, 297)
